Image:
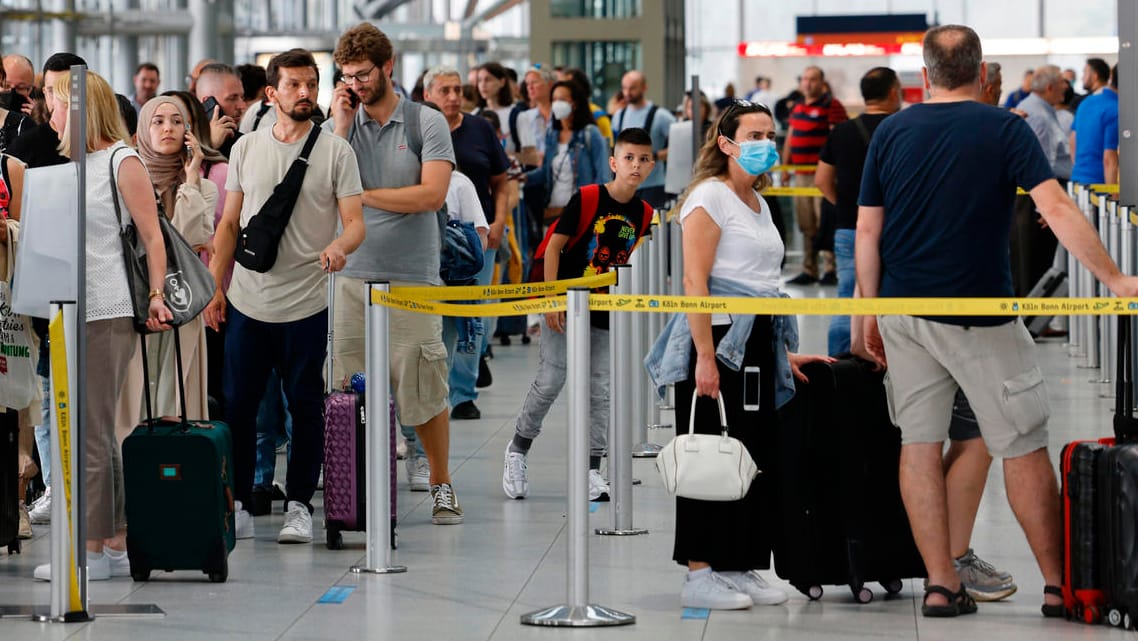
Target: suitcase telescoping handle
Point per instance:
(150, 420)
(331, 314)
(1125, 425)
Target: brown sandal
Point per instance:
(958, 602)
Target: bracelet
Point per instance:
(157, 293)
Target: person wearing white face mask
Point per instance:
(576, 153)
(731, 248)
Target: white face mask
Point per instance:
(561, 109)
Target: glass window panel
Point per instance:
(595, 8)
(603, 62)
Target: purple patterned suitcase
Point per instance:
(345, 499)
(345, 458)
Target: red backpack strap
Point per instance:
(590, 200)
(648, 214)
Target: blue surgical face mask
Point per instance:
(756, 157)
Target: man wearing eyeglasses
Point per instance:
(405, 183)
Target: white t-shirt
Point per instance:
(462, 201)
(561, 177)
(750, 250)
(108, 294)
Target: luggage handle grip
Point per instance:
(150, 420)
(722, 413)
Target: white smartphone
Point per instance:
(751, 389)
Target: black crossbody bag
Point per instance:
(258, 241)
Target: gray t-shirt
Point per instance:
(398, 246)
(661, 126)
(296, 287)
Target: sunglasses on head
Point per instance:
(739, 107)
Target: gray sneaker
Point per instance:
(446, 510)
(982, 580)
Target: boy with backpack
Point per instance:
(597, 230)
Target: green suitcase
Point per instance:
(179, 495)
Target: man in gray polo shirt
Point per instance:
(404, 186)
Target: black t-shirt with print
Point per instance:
(615, 229)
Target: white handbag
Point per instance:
(705, 466)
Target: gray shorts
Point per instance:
(994, 367)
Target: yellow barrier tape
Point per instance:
(479, 292)
(803, 168)
(795, 306)
(1105, 189)
(62, 404)
(792, 191)
(1094, 199)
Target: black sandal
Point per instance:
(1053, 611)
(958, 602)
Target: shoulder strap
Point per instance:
(862, 129)
(590, 200)
(513, 118)
(650, 118)
(115, 186)
(619, 115)
(309, 144)
(413, 126)
(649, 212)
(264, 109)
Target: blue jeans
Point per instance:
(463, 365)
(43, 432)
(274, 424)
(488, 324)
(844, 257)
(296, 350)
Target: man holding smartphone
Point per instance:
(222, 95)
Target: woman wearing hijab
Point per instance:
(173, 156)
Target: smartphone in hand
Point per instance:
(353, 99)
(209, 104)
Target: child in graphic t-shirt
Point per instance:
(598, 229)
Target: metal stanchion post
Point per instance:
(657, 249)
(1129, 265)
(1074, 288)
(677, 250)
(641, 401)
(1087, 282)
(577, 611)
(620, 434)
(1105, 211)
(1109, 327)
(377, 397)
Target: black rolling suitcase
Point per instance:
(1053, 284)
(839, 499)
(1117, 498)
(9, 481)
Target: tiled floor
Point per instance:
(475, 580)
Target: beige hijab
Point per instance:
(167, 171)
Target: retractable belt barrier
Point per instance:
(423, 300)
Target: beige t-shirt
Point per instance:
(296, 287)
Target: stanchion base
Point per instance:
(661, 426)
(664, 407)
(126, 610)
(637, 482)
(391, 569)
(646, 450)
(605, 531)
(42, 614)
(569, 616)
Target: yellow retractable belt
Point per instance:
(62, 403)
(479, 292)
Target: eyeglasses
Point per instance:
(359, 77)
(739, 107)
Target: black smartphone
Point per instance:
(189, 152)
(353, 99)
(15, 101)
(209, 104)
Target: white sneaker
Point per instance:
(515, 483)
(598, 487)
(419, 474)
(755, 586)
(41, 509)
(401, 448)
(243, 521)
(98, 568)
(298, 524)
(119, 562)
(711, 591)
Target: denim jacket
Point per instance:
(590, 160)
(668, 360)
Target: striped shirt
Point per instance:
(810, 125)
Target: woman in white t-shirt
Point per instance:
(113, 170)
(728, 235)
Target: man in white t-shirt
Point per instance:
(278, 319)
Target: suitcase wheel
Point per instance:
(1090, 615)
(812, 592)
(526, 339)
(14, 547)
(140, 574)
(217, 565)
(893, 586)
(1114, 617)
(333, 539)
(1126, 622)
(504, 339)
(862, 595)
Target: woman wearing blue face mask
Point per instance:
(576, 153)
(731, 248)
